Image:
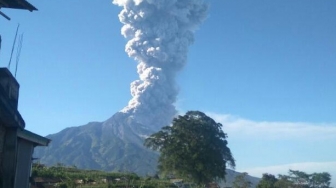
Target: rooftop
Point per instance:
(17, 4)
(32, 137)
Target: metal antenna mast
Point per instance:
(18, 53)
(10, 59)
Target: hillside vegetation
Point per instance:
(70, 177)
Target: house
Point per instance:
(16, 143)
(44, 182)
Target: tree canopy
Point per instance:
(297, 179)
(267, 181)
(193, 148)
(241, 181)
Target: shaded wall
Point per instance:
(23, 165)
(2, 140)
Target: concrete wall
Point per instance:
(8, 165)
(23, 165)
(2, 141)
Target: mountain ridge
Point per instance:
(112, 145)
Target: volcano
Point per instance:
(113, 145)
(159, 33)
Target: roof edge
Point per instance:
(32, 137)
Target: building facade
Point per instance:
(16, 143)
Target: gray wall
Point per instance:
(2, 141)
(23, 166)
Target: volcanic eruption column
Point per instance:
(159, 33)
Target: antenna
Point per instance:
(10, 60)
(18, 53)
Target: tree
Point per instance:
(296, 179)
(193, 148)
(241, 181)
(267, 181)
(303, 180)
(299, 179)
(320, 180)
(283, 182)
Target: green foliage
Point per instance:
(267, 181)
(283, 182)
(320, 180)
(193, 148)
(62, 185)
(296, 179)
(64, 172)
(241, 181)
(68, 176)
(299, 179)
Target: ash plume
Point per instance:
(159, 33)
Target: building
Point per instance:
(16, 143)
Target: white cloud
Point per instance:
(246, 131)
(308, 167)
(236, 126)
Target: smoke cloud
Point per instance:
(159, 33)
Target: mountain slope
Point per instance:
(113, 145)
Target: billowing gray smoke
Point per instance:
(159, 33)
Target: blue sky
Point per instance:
(265, 69)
